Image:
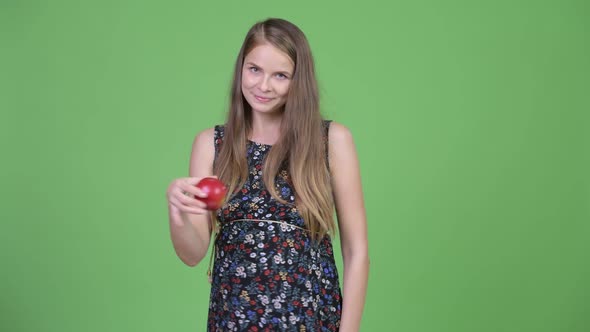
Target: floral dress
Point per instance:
(268, 275)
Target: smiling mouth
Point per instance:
(262, 99)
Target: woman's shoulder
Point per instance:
(210, 134)
(340, 144)
(338, 133)
(203, 153)
(204, 140)
(206, 134)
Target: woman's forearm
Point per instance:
(356, 275)
(189, 245)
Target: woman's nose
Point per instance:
(265, 83)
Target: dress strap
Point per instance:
(218, 134)
(326, 141)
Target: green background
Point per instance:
(471, 124)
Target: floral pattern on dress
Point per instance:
(268, 275)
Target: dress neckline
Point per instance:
(257, 143)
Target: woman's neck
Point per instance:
(266, 128)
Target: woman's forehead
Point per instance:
(266, 55)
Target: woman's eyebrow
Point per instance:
(282, 71)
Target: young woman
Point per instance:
(287, 170)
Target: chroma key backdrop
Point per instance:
(471, 121)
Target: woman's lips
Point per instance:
(262, 99)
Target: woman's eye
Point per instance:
(253, 69)
(282, 76)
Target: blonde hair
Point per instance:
(301, 144)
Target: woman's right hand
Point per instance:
(181, 198)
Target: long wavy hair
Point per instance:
(301, 143)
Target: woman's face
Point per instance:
(266, 77)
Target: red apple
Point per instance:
(215, 191)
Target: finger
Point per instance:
(192, 189)
(188, 209)
(194, 210)
(191, 201)
(175, 205)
